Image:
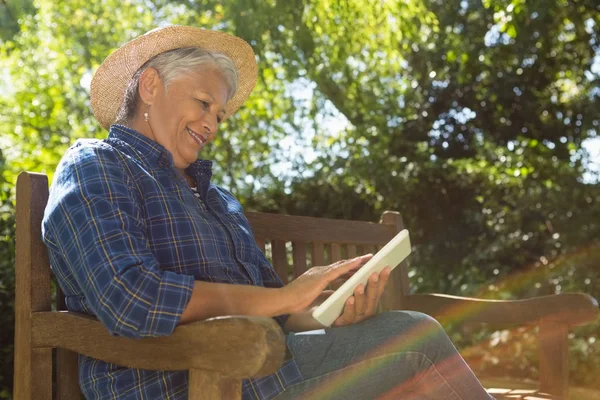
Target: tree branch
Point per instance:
(9, 13)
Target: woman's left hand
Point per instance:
(363, 304)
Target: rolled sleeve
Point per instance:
(94, 227)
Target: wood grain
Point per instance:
(67, 367)
(571, 309)
(260, 242)
(280, 261)
(368, 248)
(299, 256)
(67, 372)
(500, 393)
(350, 251)
(212, 345)
(336, 253)
(209, 385)
(554, 358)
(293, 228)
(317, 254)
(32, 367)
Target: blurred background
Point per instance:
(478, 120)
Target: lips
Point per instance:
(200, 139)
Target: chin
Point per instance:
(191, 160)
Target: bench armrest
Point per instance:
(568, 308)
(233, 346)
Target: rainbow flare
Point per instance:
(451, 315)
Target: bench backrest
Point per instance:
(293, 243)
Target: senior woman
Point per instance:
(139, 237)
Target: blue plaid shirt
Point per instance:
(127, 237)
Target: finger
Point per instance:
(345, 261)
(371, 294)
(379, 289)
(338, 269)
(347, 316)
(384, 276)
(360, 303)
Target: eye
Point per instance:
(205, 104)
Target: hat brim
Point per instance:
(112, 77)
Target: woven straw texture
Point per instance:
(111, 79)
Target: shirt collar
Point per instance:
(154, 152)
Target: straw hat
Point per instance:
(111, 79)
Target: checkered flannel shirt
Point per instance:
(127, 237)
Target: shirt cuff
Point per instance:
(173, 295)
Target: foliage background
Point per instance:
(469, 117)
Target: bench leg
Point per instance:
(554, 362)
(210, 385)
(33, 374)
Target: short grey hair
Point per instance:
(174, 64)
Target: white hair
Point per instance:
(175, 64)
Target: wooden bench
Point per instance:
(210, 350)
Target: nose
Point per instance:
(210, 125)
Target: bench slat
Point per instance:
(299, 256)
(317, 254)
(336, 253)
(280, 259)
(293, 228)
(350, 251)
(260, 242)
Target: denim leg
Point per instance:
(398, 354)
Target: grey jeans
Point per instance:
(394, 355)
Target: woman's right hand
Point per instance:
(304, 290)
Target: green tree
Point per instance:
(10, 12)
(469, 122)
(7, 287)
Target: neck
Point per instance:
(142, 127)
(189, 179)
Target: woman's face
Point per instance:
(185, 117)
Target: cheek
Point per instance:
(196, 112)
(187, 112)
(165, 114)
(174, 119)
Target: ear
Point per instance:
(149, 86)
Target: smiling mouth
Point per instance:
(200, 139)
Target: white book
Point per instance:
(392, 254)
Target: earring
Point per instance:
(146, 116)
